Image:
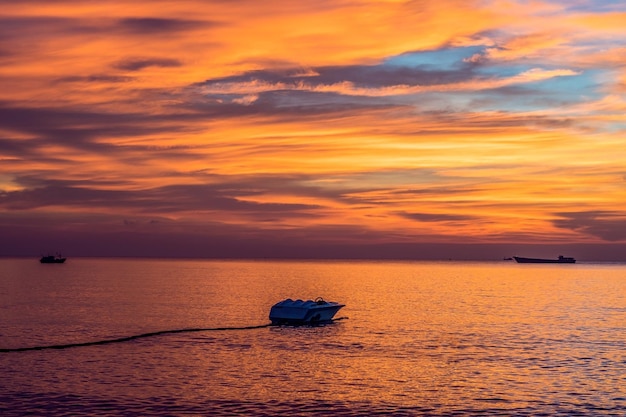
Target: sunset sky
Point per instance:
(470, 129)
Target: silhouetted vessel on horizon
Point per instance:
(52, 259)
(560, 260)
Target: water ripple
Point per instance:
(59, 404)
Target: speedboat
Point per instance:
(304, 312)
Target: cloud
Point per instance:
(437, 217)
(38, 127)
(137, 64)
(372, 81)
(159, 26)
(41, 25)
(95, 79)
(361, 76)
(609, 226)
(172, 199)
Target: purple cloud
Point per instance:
(607, 225)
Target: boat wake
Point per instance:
(129, 338)
(144, 335)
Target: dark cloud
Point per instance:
(95, 78)
(19, 35)
(433, 191)
(137, 64)
(382, 76)
(149, 25)
(365, 76)
(607, 225)
(293, 89)
(59, 196)
(220, 197)
(288, 105)
(312, 104)
(80, 128)
(16, 27)
(32, 26)
(439, 217)
(164, 200)
(337, 88)
(14, 147)
(90, 129)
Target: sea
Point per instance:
(189, 337)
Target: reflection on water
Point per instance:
(421, 339)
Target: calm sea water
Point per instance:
(436, 339)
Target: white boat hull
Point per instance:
(304, 312)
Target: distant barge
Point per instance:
(561, 260)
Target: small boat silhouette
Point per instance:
(560, 260)
(52, 259)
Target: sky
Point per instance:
(462, 129)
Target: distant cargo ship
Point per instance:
(52, 259)
(561, 260)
